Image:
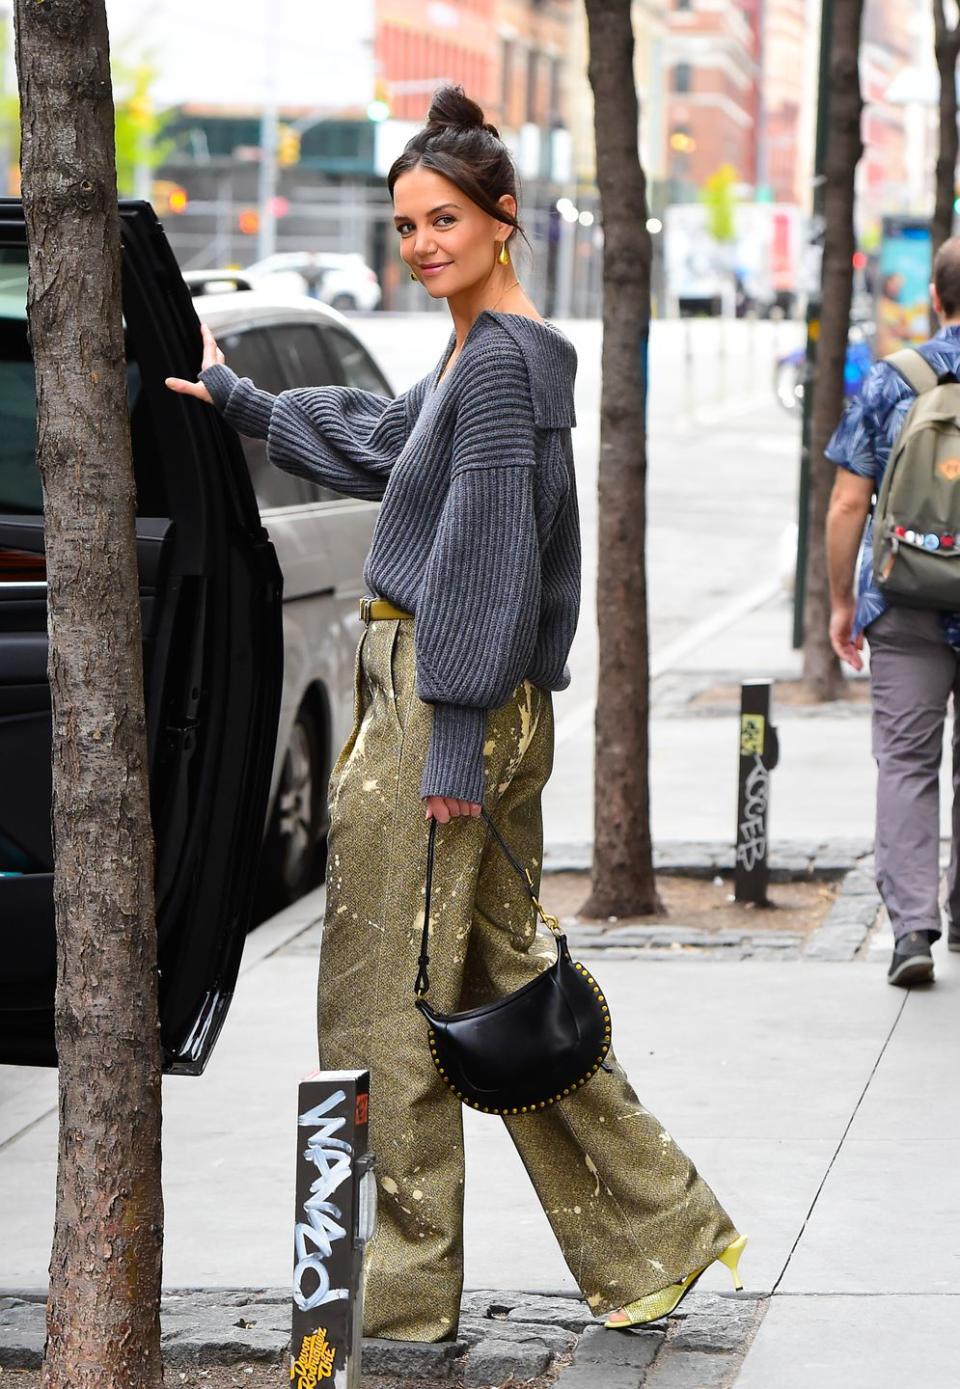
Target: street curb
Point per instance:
(849, 921)
(839, 936)
(502, 1336)
(790, 861)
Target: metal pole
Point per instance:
(267, 181)
(759, 754)
(814, 301)
(565, 262)
(335, 1216)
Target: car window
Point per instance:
(20, 490)
(249, 352)
(358, 367)
(303, 357)
(306, 362)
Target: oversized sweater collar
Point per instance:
(550, 357)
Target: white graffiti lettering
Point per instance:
(752, 845)
(315, 1236)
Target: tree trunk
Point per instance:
(821, 669)
(947, 45)
(622, 881)
(103, 1310)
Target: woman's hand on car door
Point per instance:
(212, 357)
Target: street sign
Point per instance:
(335, 1215)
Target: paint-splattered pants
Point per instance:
(627, 1206)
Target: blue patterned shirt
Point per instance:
(862, 443)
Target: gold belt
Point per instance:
(373, 608)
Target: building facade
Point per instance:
(710, 101)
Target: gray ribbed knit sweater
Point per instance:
(478, 533)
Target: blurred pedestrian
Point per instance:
(474, 573)
(914, 652)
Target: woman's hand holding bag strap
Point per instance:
(533, 1046)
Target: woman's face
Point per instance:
(437, 224)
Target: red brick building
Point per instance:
(787, 81)
(710, 53)
(508, 54)
(420, 43)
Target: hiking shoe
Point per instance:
(912, 962)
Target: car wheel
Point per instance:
(343, 302)
(788, 384)
(292, 854)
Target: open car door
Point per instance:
(210, 596)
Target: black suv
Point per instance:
(210, 594)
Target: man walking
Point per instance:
(914, 654)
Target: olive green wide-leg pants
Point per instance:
(627, 1206)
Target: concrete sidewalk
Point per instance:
(823, 790)
(819, 1103)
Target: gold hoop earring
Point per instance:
(412, 275)
(504, 256)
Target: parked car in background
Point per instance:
(249, 581)
(210, 596)
(321, 539)
(342, 280)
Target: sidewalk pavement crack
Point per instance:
(843, 1138)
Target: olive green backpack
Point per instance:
(916, 527)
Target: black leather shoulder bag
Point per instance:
(530, 1048)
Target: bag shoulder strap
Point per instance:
(914, 368)
(423, 979)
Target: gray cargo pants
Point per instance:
(912, 673)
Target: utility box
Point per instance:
(335, 1216)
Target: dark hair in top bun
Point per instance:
(466, 149)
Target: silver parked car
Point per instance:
(341, 279)
(321, 539)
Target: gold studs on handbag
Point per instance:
(504, 256)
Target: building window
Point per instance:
(532, 70)
(555, 114)
(506, 77)
(682, 77)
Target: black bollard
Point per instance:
(759, 753)
(335, 1215)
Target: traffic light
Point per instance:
(288, 145)
(167, 196)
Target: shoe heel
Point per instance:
(731, 1257)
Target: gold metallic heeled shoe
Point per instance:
(666, 1300)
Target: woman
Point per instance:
(475, 560)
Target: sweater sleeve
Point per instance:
(345, 438)
(479, 609)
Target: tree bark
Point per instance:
(622, 880)
(946, 47)
(821, 669)
(103, 1309)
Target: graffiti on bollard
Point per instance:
(759, 753)
(335, 1215)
